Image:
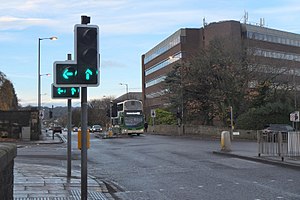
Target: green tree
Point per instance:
(97, 111)
(164, 117)
(8, 97)
(210, 83)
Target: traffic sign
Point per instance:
(65, 92)
(41, 114)
(294, 116)
(153, 113)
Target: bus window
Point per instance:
(120, 107)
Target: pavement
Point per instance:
(248, 150)
(40, 182)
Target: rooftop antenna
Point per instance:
(204, 23)
(262, 22)
(245, 17)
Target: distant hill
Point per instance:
(8, 97)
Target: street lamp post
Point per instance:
(39, 69)
(39, 76)
(110, 113)
(126, 89)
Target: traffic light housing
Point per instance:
(108, 113)
(65, 73)
(87, 53)
(65, 92)
(84, 70)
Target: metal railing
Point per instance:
(280, 144)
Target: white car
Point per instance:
(96, 128)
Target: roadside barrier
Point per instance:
(281, 144)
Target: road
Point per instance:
(163, 167)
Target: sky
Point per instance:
(128, 29)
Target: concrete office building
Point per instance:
(269, 46)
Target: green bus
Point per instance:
(130, 118)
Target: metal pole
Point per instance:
(231, 122)
(39, 84)
(110, 113)
(39, 74)
(69, 149)
(127, 91)
(84, 143)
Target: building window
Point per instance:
(156, 94)
(164, 46)
(155, 81)
(163, 64)
(275, 54)
(274, 39)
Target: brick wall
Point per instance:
(200, 130)
(7, 154)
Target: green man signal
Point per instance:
(65, 92)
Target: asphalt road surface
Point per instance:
(170, 168)
(162, 167)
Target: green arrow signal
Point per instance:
(88, 73)
(60, 91)
(68, 74)
(73, 91)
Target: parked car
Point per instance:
(271, 131)
(75, 129)
(56, 129)
(96, 128)
(275, 128)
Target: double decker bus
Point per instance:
(130, 118)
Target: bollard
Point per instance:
(88, 144)
(225, 141)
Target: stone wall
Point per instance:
(7, 154)
(200, 130)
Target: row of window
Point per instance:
(155, 81)
(164, 63)
(164, 46)
(276, 70)
(276, 54)
(273, 38)
(156, 94)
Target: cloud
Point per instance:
(18, 23)
(112, 63)
(118, 17)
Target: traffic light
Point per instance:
(65, 92)
(65, 73)
(84, 70)
(87, 54)
(114, 110)
(108, 113)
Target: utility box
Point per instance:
(87, 139)
(26, 133)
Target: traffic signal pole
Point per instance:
(84, 133)
(69, 148)
(84, 143)
(82, 72)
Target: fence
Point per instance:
(279, 144)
